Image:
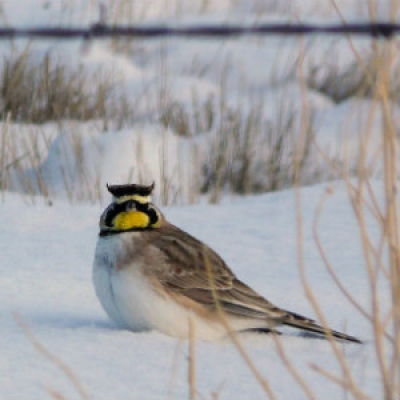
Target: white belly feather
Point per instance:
(132, 302)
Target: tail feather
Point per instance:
(298, 321)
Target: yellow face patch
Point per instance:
(131, 220)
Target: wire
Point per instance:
(103, 31)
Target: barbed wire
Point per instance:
(103, 31)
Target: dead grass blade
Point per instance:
(65, 369)
(192, 360)
(233, 336)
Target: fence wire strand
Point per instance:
(103, 31)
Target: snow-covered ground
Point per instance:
(46, 248)
(46, 255)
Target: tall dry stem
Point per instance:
(263, 382)
(391, 221)
(67, 371)
(382, 256)
(192, 360)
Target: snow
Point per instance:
(47, 253)
(47, 243)
(81, 160)
(246, 75)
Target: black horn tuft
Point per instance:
(130, 190)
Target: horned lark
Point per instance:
(149, 274)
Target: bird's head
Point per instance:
(131, 209)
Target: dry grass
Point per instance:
(21, 151)
(253, 155)
(381, 256)
(231, 164)
(354, 80)
(247, 154)
(189, 123)
(385, 327)
(55, 360)
(36, 92)
(46, 90)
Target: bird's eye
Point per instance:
(130, 206)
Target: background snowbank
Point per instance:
(179, 95)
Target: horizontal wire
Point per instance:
(103, 31)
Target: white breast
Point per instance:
(122, 292)
(131, 301)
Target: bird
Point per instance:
(149, 274)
